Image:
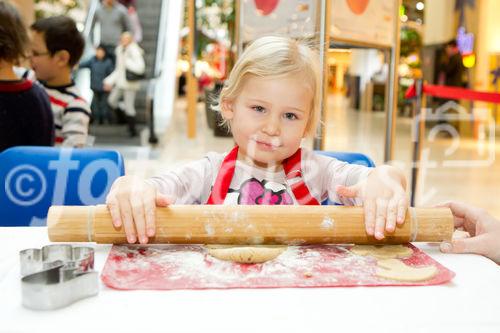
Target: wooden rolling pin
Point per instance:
(245, 224)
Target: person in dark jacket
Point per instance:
(100, 67)
(451, 74)
(25, 115)
(453, 67)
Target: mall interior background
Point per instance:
(357, 78)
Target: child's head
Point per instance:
(100, 52)
(13, 36)
(271, 98)
(57, 46)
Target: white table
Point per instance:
(470, 303)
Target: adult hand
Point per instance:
(483, 228)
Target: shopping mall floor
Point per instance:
(451, 175)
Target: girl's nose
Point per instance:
(271, 126)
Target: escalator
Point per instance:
(150, 13)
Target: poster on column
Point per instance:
(292, 18)
(363, 21)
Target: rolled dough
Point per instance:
(382, 251)
(460, 234)
(394, 269)
(246, 254)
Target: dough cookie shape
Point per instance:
(246, 254)
(382, 251)
(394, 269)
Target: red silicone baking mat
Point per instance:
(169, 267)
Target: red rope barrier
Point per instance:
(455, 93)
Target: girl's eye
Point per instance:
(290, 116)
(258, 108)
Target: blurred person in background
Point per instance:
(114, 20)
(25, 115)
(134, 19)
(125, 79)
(100, 67)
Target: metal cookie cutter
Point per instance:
(57, 275)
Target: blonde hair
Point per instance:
(274, 56)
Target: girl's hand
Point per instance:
(132, 202)
(384, 199)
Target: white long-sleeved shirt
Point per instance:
(192, 183)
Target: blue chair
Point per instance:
(37, 177)
(353, 158)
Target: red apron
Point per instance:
(293, 175)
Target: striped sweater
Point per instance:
(71, 115)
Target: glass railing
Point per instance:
(161, 89)
(82, 77)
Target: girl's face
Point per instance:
(269, 117)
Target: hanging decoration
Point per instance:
(358, 7)
(266, 7)
(465, 42)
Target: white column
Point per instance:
(440, 25)
(26, 9)
(487, 41)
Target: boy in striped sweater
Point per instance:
(57, 46)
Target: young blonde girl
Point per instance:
(270, 102)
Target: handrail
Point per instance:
(94, 4)
(160, 48)
(82, 79)
(158, 61)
